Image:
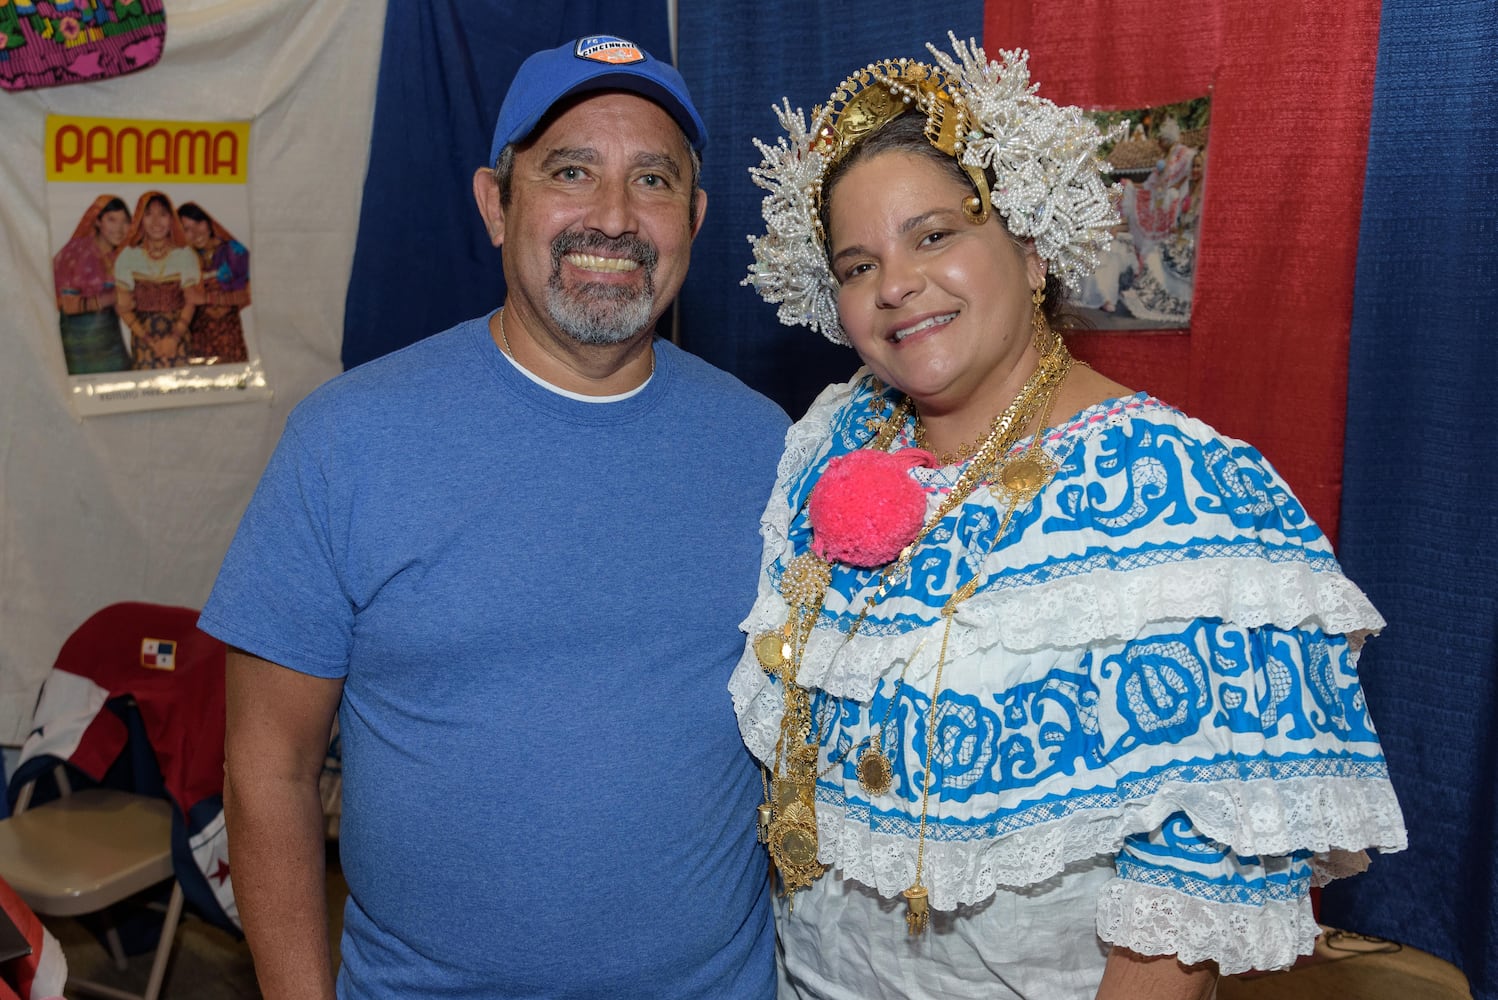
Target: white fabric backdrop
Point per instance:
(141, 506)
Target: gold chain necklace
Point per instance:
(1021, 480)
(1005, 430)
(787, 817)
(956, 456)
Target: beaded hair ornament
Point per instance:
(1032, 161)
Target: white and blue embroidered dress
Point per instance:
(1150, 730)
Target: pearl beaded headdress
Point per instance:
(1043, 160)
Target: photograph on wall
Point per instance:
(151, 262)
(1158, 170)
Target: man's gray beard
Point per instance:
(601, 313)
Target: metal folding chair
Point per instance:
(87, 851)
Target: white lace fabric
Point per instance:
(1151, 920)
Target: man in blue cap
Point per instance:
(512, 558)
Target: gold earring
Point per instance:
(1045, 337)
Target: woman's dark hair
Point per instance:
(190, 210)
(115, 205)
(906, 133)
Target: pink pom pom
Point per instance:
(867, 507)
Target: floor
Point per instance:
(211, 965)
(207, 963)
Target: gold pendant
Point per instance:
(874, 769)
(798, 783)
(917, 913)
(793, 846)
(792, 837)
(1024, 478)
(772, 650)
(785, 791)
(763, 831)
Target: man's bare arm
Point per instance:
(279, 722)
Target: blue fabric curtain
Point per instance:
(740, 60)
(422, 261)
(1419, 528)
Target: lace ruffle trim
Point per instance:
(1075, 613)
(1268, 818)
(758, 704)
(1329, 866)
(1153, 920)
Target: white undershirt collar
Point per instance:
(577, 395)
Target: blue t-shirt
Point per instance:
(534, 604)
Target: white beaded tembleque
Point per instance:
(1034, 162)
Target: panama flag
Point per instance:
(158, 654)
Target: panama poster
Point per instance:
(150, 247)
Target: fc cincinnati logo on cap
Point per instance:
(608, 49)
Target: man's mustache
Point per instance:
(639, 250)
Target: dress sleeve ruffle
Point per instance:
(1260, 736)
(1180, 893)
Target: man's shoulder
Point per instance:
(720, 388)
(424, 370)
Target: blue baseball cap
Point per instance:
(595, 62)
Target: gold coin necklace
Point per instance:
(874, 769)
(1039, 469)
(787, 817)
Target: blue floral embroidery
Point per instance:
(1144, 462)
(1095, 725)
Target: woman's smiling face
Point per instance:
(112, 226)
(935, 305)
(156, 221)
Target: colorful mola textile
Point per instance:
(73, 41)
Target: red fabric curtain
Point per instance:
(1291, 84)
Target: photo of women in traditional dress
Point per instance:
(1145, 277)
(83, 278)
(216, 334)
(157, 278)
